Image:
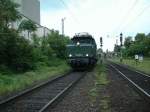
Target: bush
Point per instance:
(20, 54)
(58, 43)
(15, 52)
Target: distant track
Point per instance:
(138, 80)
(42, 97)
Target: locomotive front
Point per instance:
(81, 51)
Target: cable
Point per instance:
(126, 15)
(66, 6)
(131, 22)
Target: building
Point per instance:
(30, 9)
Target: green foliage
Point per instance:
(58, 43)
(46, 48)
(15, 52)
(128, 42)
(140, 37)
(21, 54)
(8, 13)
(142, 66)
(27, 25)
(11, 82)
(99, 87)
(37, 51)
(117, 48)
(141, 45)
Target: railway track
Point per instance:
(42, 97)
(138, 80)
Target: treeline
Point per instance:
(140, 45)
(20, 53)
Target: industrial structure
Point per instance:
(30, 9)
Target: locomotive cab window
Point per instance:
(83, 40)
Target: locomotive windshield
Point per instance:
(83, 40)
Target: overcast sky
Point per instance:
(106, 18)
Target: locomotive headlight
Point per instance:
(78, 43)
(87, 55)
(70, 55)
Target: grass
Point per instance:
(12, 82)
(142, 66)
(101, 82)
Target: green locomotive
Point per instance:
(81, 52)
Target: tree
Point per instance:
(117, 48)
(8, 14)
(58, 43)
(128, 42)
(146, 44)
(148, 35)
(140, 37)
(15, 52)
(27, 25)
(141, 45)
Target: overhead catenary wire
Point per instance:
(126, 16)
(69, 11)
(133, 20)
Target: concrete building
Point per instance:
(30, 9)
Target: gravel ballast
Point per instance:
(122, 97)
(117, 95)
(78, 99)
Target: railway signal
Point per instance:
(100, 54)
(121, 38)
(101, 42)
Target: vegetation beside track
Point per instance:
(24, 60)
(11, 82)
(142, 66)
(138, 45)
(97, 92)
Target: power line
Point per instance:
(70, 12)
(126, 15)
(131, 22)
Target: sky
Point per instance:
(100, 18)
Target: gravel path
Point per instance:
(123, 98)
(78, 99)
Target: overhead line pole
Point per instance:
(62, 20)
